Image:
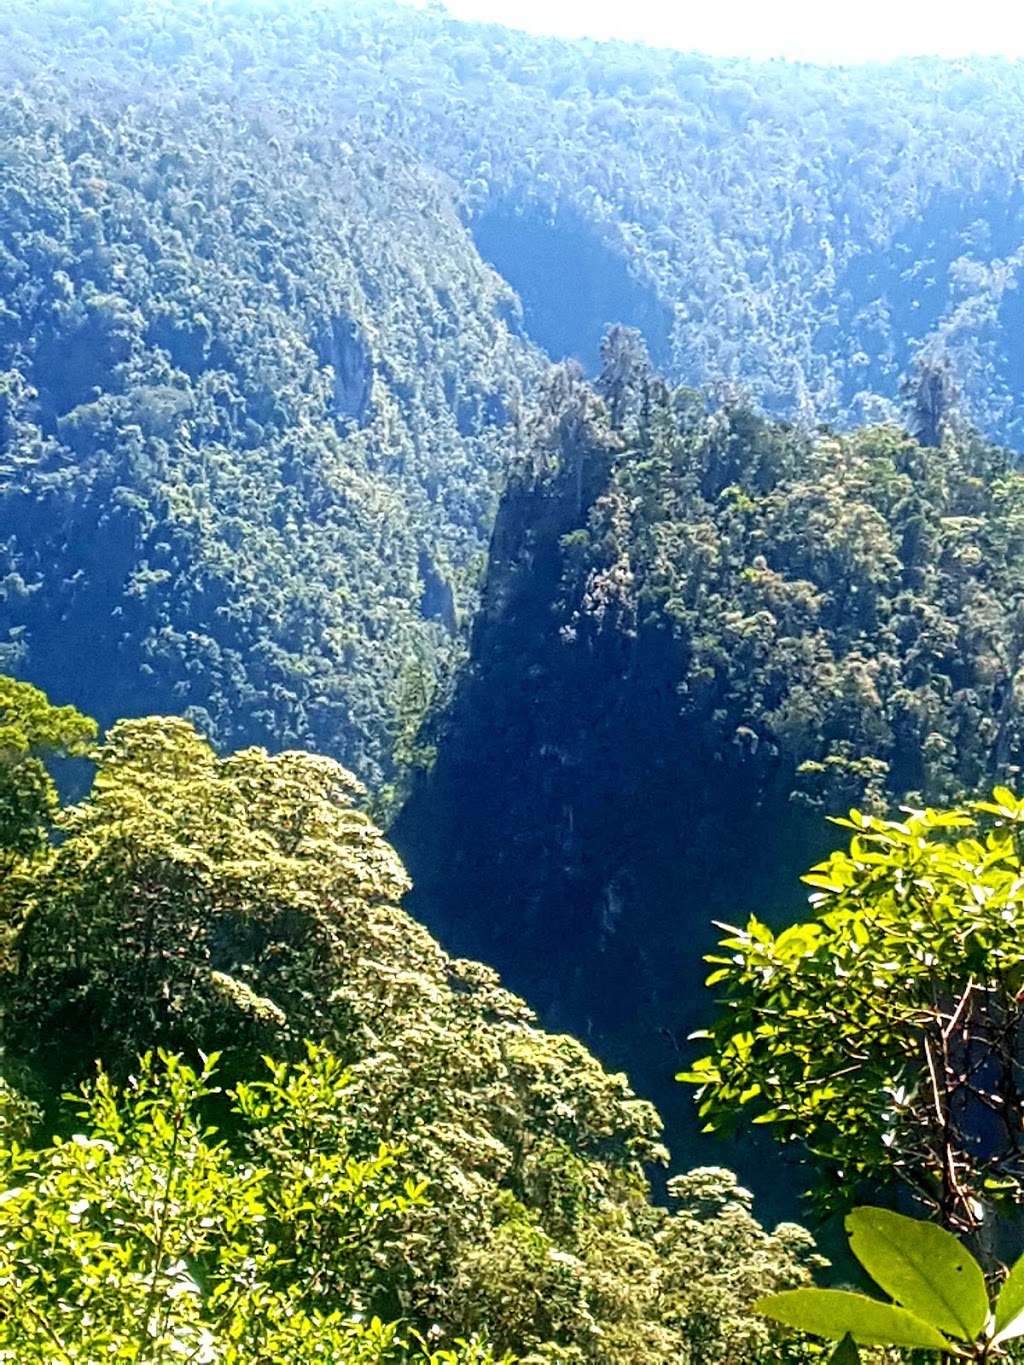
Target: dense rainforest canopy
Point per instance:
(283, 457)
(800, 229)
(259, 385)
(254, 392)
(348, 1127)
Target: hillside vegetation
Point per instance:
(701, 633)
(259, 386)
(339, 1140)
(255, 392)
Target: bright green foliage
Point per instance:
(922, 1267)
(837, 1313)
(248, 904)
(197, 900)
(883, 1033)
(31, 730)
(940, 1301)
(146, 1237)
(1010, 1304)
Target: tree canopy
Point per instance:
(420, 1151)
(32, 732)
(156, 1240)
(253, 407)
(884, 1034)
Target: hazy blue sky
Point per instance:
(801, 30)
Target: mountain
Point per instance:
(701, 633)
(801, 232)
(279, 292)
(256, 392)
(260, 383)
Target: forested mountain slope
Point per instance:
(259, 386)
(802, 231)
(797, 228)
(255, 393)
(701, 633)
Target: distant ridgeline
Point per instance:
(796, 229)
(701, 632)
(258, 387)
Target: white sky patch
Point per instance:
(798, 30)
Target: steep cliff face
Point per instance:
(700, 634)
(343, 345)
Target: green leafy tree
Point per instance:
(884, 1034)
(195, 900)
(32, 730)
(247, 903)
(147, 1236)
(715, 1257)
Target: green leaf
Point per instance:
(922, 1267)
(836, 1313)
(846, 1353)
(1010, 1305)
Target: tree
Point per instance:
(196, 901)
(148, 1236)
(246, 903)
(32, 731)
(625, 372)
(885, 1034)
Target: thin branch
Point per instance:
(955, 1018)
